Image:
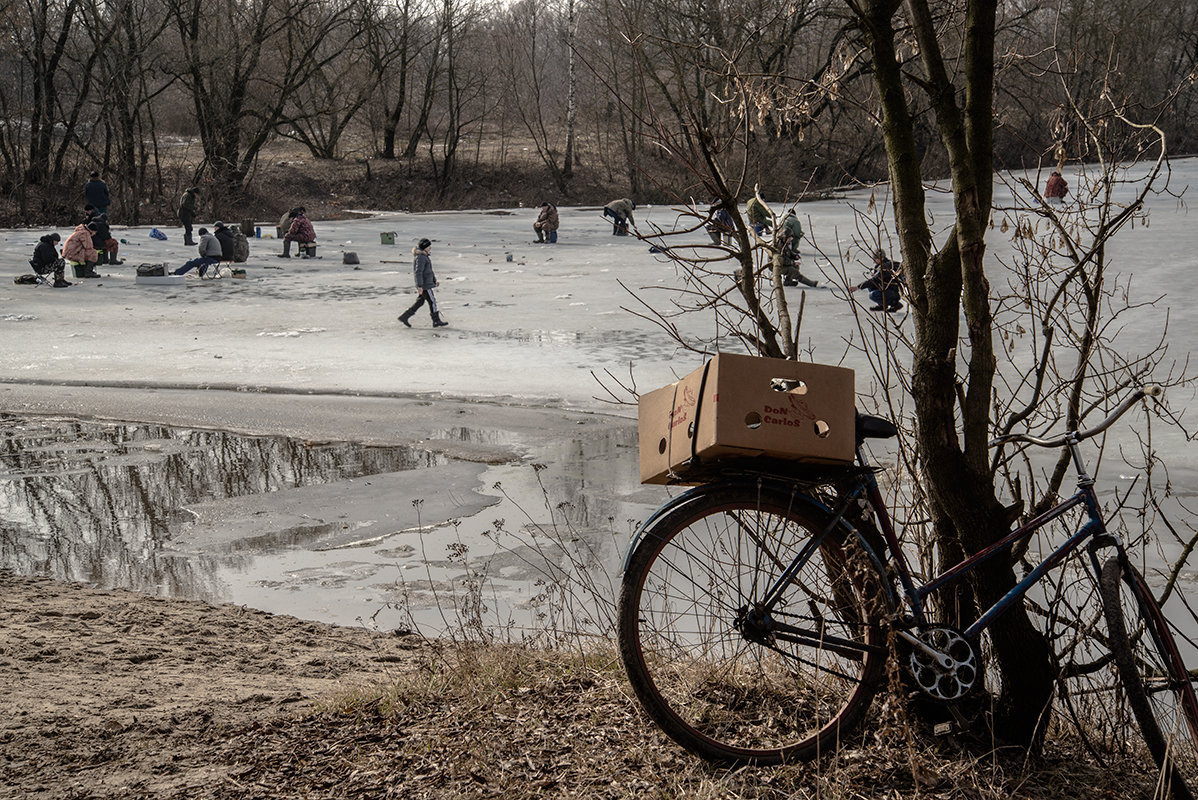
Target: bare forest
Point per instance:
(467, 103)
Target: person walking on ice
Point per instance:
(426, 281)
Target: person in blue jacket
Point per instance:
(95, 191)
(426, 281)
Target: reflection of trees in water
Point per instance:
(95, 502)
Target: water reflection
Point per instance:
(99, 503)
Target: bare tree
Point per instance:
(241, 81)
(536, 70)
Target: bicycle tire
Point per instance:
(718, 691)
(1157, 684)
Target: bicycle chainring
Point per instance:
(941, 681)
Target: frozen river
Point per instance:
(452, 515)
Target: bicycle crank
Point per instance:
(943, 663)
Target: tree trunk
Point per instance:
(967, 514)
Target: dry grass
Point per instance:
(509, 722)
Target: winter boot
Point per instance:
(188, 241)
(404, 317)
(438, 322)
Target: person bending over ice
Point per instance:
(884, 284)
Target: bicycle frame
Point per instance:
(917, 594)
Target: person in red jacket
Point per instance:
(1056, 188)
(301, 231)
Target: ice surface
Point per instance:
(531, 330)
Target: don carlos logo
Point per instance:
(678, 414)
(794, 413)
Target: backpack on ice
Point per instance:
(241, 246)
(151, 270)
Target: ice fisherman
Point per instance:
(720, 226)
(790, 231)
(1056, 188)
(885, 284)
(79, 249)
(187, 213)
(546, 224)
(620, 212)
(103, 238)
(300, 230)
(426, 281)
(46, 260)
(210, 254)
(759, 215)
(228, 243)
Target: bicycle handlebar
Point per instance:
(1151, 390)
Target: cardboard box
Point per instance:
(737, 407)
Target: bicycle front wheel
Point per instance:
(748, 632)
(1159, 688)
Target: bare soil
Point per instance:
(110, 694)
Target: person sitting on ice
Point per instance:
(228, 243)
(546, 224)
(45, 260)
(79, 249)
(301, 231)
(102, 239)
(209, 254)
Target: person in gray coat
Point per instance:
(209, 254)
(426, 281)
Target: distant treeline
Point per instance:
(157, 94)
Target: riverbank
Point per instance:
(111, 694)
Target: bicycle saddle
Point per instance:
(874, 428)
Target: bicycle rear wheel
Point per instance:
(728, 675)
(1159, 688)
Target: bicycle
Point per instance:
(754, 612)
